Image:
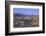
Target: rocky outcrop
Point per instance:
(26, 21)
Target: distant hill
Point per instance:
(18, 14)
(23, 15)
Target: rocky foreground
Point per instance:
(26, 21)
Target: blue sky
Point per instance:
(26, 11)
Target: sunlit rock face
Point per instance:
(35, 20)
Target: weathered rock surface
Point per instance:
(27, 21)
